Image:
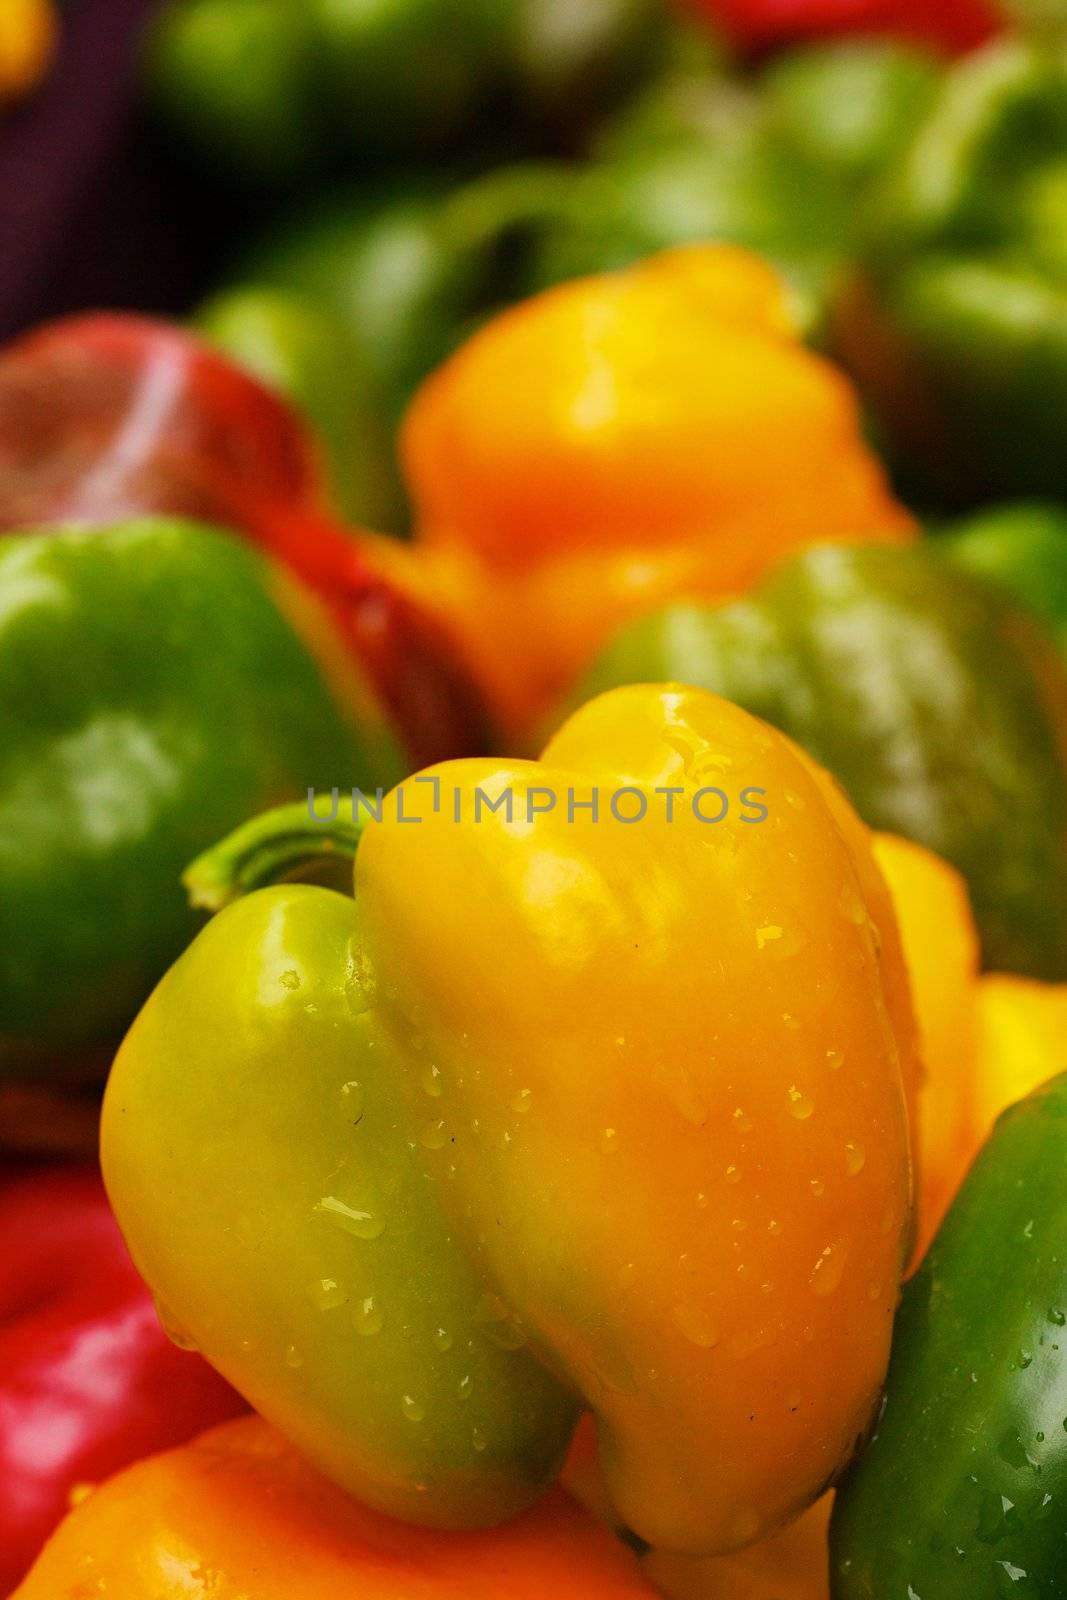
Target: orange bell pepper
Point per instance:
(238, 1515)
(619, 440)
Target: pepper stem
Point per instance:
(271, 848)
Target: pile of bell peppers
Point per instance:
(533, 816)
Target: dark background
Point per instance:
(93, 210)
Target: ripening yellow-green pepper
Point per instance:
(594, 1097)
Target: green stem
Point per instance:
(271, 849)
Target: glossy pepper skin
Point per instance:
(241, 1510)
(158, 681)
(555, 1116)
(1024, 548)
(940, 706)
(110, 416)
(957, 327)
(89, 1380)
(957, 1494)
(649, 482)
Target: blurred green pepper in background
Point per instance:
(960, 1492)
(235, 79)
(413, 265)
(939, 706)
(303, 351)
(957, 325)
(267, 90)
(159, 682)
(1023, 547)
(774, 163)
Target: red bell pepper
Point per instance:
(757, 26)
(89, 1382)
(105, 416)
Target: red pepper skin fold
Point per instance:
(89, 1382)
(758, 26)
(107, 416)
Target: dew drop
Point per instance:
(478, 1439)
(442, 1339)
(852, 904)
(293, 1358)
(801, 1105)
(835, 1060)
(855, 1159)
(609, 1141)
(367, 1318)
(490, 1308)
(413, 1409)
(173, 1330)
(696, 1326)
(743, 1345)
(742, 1121)
(522, 1101)
(828, 1271)
(433, 1083)
(352, 1099)
(818, 1187)
(365, 1224)
(733, 1174)
(702, 1200)
(465, 1387)
(327, 1294)
(769, 934)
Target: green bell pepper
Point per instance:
(850, 106)
(572, 61)
(411, 274)
(939, 706)
(408, 77)
(302, 350)
(775, 165)
(236, 80)
(957, 326)
(388, 265)
(745, 188)
(159, 681)
(1023, 547)
(960, 1493)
